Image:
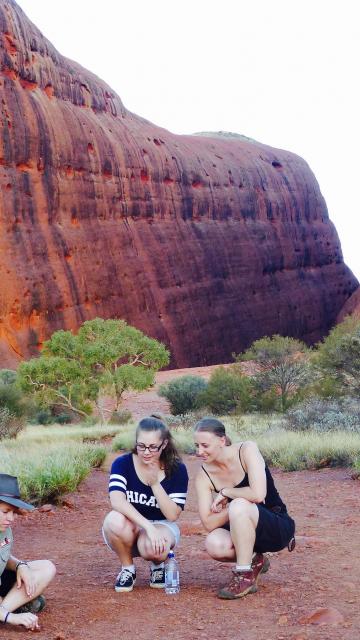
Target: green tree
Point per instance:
(281, 364)
(183, 393)
(228, 390)
(338, 356)
(104, 356)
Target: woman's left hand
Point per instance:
(25, 575)
(219, 503)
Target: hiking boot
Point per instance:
(125, 581)
(260, 564)
(34, 606)
(157, 578)
(242, 583)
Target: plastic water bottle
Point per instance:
(172, 576)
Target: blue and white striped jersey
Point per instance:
(123, 477)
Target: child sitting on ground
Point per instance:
(21, 582)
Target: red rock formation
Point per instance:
(205, 243)
(351, 307)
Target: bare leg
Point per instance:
(44, 571)
(243, 516)
(121, 535)
(219, 545)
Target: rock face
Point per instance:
(351, 306)
(205, 243)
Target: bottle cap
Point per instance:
(171, 554)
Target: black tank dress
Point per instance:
(275, 528)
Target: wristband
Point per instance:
(20, 563)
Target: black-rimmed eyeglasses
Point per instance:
(153, 448)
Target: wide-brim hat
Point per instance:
(10, 493)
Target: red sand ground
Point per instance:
(322, 572)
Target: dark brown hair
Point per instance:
(214, 426)
(169, 456)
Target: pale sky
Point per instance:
(285, 72)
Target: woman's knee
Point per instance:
(115, 524)
(45, 569)
(217, 547)
(240, 507)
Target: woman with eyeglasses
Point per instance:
(148, 490)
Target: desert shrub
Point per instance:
(319, 414)
(63, 418)
(120, 417)
(7, 376)
(281, 364)
(338, 356)
(42, 416)
(10, 424)
(12, 398)
(228, 390)
(265, 401)
(47, 472)
(324, 386)
(183, 393)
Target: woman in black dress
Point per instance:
(240, 507)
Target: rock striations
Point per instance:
(204, 242)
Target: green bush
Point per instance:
(183, 393)
(10, 425)
(228, 391)
(12, 398)
(265, 401)
(63, 418)
(7, 376)
(325, 386)
(338, 356)
(281, 363)
(43, 416)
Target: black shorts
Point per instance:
(273, 532)
(8, 579)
